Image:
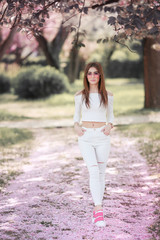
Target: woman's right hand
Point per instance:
(79, 130)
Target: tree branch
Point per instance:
(70, 18)
(16, 20)
(3, 13)
(47, 6)
(105, 3)
(123, 44)
(7, 42)
(44, 46)
(30, 53)
(80, 18)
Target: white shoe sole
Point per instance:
(99, 223)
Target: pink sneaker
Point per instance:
(98, 218)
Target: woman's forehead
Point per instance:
(92, 69)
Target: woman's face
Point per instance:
(93, 76)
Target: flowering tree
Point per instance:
(51, 39)
(18, 45)
(19, 16)
(140, 20)
(130, 19)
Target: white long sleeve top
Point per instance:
(95, 113)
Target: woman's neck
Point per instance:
(93, 90)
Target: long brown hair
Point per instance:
(101, 84)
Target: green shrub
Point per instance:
(4, 83)
(39, 82)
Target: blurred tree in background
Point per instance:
(125, 20)
(51, 40)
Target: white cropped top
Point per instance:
(95, 113)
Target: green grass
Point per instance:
(15, 145)
(63, 100)
(148, 139)
(7, 97)
(128, 96)
(5, 116)
(148, 136)
(155, 227)
(7, 176)
(128, 100)
(11, 136)
(149, 130)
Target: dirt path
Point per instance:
(51, 199)
(43, 123)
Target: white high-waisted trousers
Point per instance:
(94, 146)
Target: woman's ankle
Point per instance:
(97, 207)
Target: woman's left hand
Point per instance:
(106, 130)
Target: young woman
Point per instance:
(94, 103)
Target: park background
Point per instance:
(41, 70)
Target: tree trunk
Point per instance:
(73, 64)
(53, 49)
(57, 43)
(151, 73)
(44, 46)
(7, 42)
